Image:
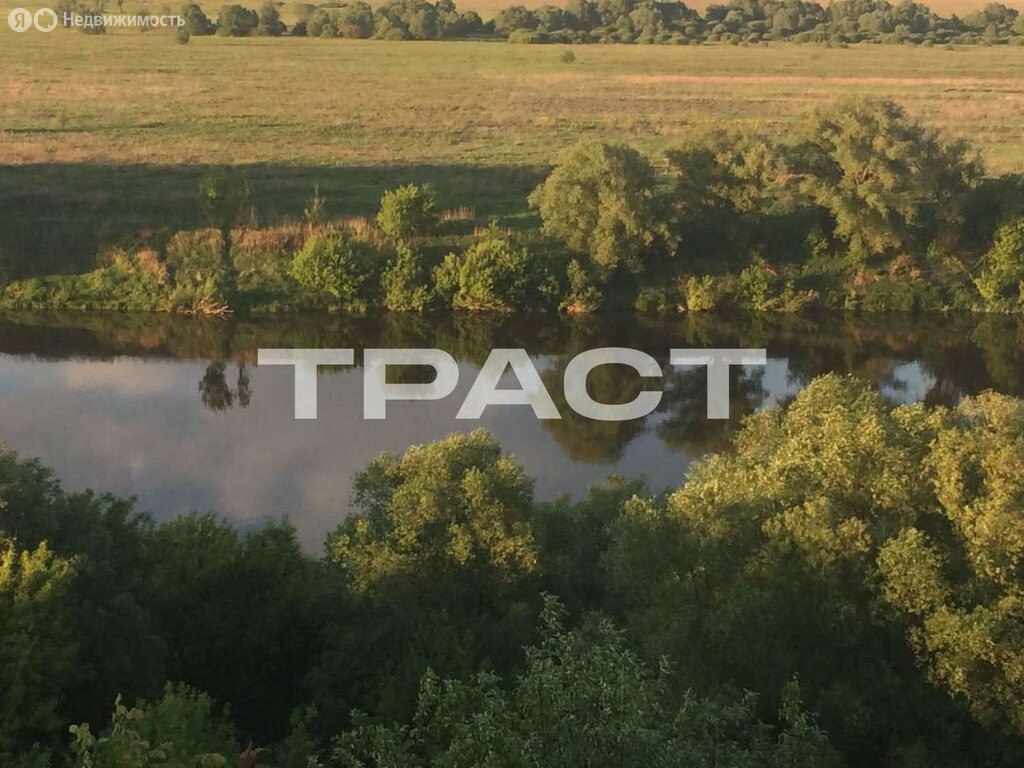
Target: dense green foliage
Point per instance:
(755, 21)
(334, 265)
(33, 587)
(600, 201)
(1001, 282)
(180, 729)
(882, 178)
(583, 699)
(237, 21)
(854, 563)
(405, 282)
(495, 274)
(393, 20)
(270, 24)
(863, 208)
(408, 214)
(196, 21)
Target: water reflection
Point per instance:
(174, 409)
(217, 394)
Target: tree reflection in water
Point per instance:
(951, 355)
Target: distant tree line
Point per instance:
(863, 208)
(627, 21)
(755, 21)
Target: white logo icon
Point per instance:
(45, 20)
(20, 20)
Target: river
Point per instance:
(175, 411)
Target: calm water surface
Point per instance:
(175, 411)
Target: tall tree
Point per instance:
(885, 179)
(601, 200)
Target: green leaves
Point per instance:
(38, 651)
(457, 504)
(600, 200)
(215, 594)
(408, 214)
(336, 266)
(727, 171)
(846, 528)
(871, 551)
(584, 699)
(494, 274)
(881, 176)
(1001, 282)
(962, 585)
(180, 730)
(406, 282)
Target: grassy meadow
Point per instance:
(101, 135)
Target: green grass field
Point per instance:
(130, 97)
(115, 131)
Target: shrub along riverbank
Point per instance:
(863, 209)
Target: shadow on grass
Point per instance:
(56, 217)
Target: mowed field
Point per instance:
(119, 128)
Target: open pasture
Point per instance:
(116, 130)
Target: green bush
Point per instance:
(587, 679)
(724, 171)
(753, 289)
(319, 21)
(701, 293)
(790, 299)
(654, 299)
(514, 18)
(38, 652)
(600, 200)
(408, 213)
(887, 295)
(494, 274)
(991, 204)
(760, 288)
(1001, 282)
(887, 181)
(354, 20)
(236, 21)
(337, 267)
(181, 729)
(196, 21)
(130, 282)
(270, 24)
(406, 282)
(952, 282)
(262, 260)
(584, 294)
(203, 282)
